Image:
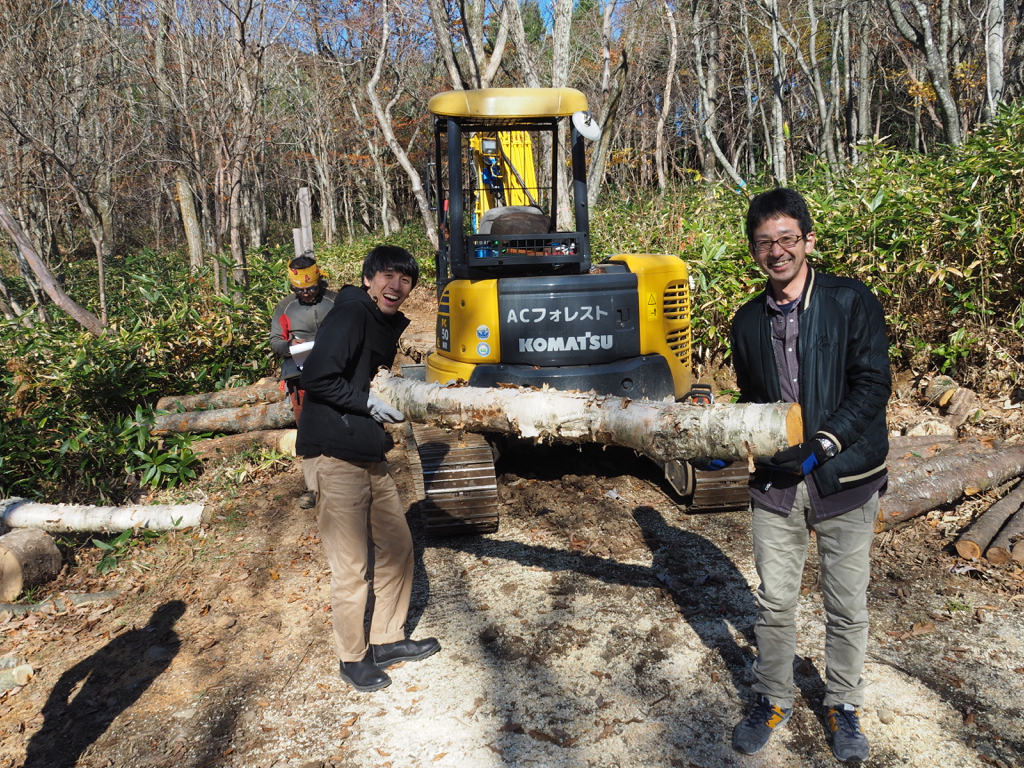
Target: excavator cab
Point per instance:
(521, 301)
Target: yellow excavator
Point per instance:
(522, 302)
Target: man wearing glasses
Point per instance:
(296, 320)
(820, 341)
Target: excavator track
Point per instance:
(723, 490)
(456, 487)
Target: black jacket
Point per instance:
(845, 380)
(354, 340)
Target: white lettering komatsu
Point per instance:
(567, 343)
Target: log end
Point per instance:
(998, 555)
(968, 550)
(795, 425)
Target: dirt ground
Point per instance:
(601, 625)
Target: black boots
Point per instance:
(404, 650)
(364, 675)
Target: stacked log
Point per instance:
(263, 391)
(974, 540)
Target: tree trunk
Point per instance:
(666, 100)
(263, 391)
(1002, 549)
(281, 440)
(662, 431)
(983, 530)
(18, 513)
(930, 493)
(229, 420)
(27, 559)
(84, 317)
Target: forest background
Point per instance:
(150, 153)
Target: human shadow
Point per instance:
(110, 681)
(707, 588)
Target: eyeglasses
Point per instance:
(307, 291)
(786, 241)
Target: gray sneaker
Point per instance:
(849, 744)
(753, 731)
(307, 500)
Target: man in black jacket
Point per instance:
(819, 341)
(343, 442)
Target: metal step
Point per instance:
(456, 488)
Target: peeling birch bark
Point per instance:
(282, 440)
(662, 431)
(18, 513)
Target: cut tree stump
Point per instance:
(28, 558)
(19, 513)
(940, 389)
(979, 534)
(229, 420)
(263, 391)
(662, 431)
(926, 494)
(1002, 549)
(282, 440)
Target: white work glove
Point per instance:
(383, 412)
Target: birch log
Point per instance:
(662, 431)
(229, 420)
(263, 391)
(28, 558)
(18, 513)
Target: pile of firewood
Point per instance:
(926, 473)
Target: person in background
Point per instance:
(820, 341)
(343, 441)
(296, 320)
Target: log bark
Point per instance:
(662, 431)
(282, 440)
(263, 391)
(914, 442)
(962, 406)
(1002, 549)
(230, 420)
(18, 513)
(904, 472)
(28, 558)
(932, 492)
(980, 533)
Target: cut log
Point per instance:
(926, 494)
(263, 391)
(962, 407)
(27, 559)
(909, 471)
(912, 442)
(1018, 551)
(229, 420)
(979, 534)
(15, 677)
(940, 389)
(1002, 549)
(282, 440)
(662, 431)
(18, 513)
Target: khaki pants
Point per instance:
(780, 547)
(367, 539)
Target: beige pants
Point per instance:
(367, 540)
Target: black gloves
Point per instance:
(801, 459)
